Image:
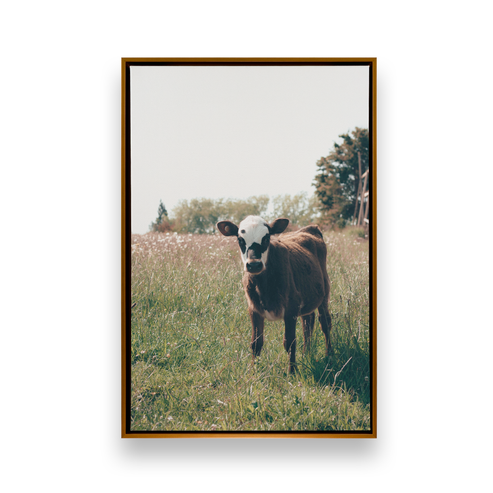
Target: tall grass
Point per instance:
(190, 333)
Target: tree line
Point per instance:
(201, 215)
(332, 204)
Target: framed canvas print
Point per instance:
(249, 248)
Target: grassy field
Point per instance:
(191, 360)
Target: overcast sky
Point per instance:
(235, 131)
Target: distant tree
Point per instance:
(337, 178)
(161, 213)
(300, 209)
(237, 209)
(197, 216)
(162, 224)
(200, 216)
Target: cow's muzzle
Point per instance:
(255, 267)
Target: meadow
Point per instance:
(191, 363)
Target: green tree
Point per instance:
(201, 215)
(300, 209)
(161, 213)
(197, 216)
(162, 224)
(237, 209)
(337, 178)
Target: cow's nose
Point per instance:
(254, 267)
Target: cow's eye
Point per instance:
(265, 241)
(242, 244)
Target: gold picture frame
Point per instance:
(126, 252)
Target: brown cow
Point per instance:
(284, 278)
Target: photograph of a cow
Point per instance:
(285, 277)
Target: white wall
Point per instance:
(60, 190)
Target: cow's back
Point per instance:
(309, 238)
(308, 262)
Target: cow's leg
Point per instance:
(290, 340)
(308, 321)
(257, 333)
(325, 324)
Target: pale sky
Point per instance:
(235, 131)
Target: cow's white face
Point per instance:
(253, 239)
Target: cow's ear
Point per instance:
(227, 228)
(278, 226)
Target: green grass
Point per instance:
(191, 362)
